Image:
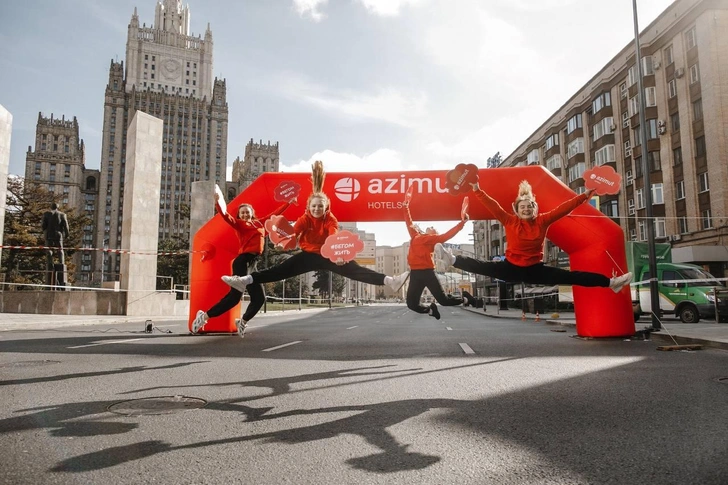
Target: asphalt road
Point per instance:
(374, 394)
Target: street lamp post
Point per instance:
(654, 293)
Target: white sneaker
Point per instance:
(619, 282)
(443, 258)
(200, 321)
(238, 282)
(241, 326)
(397, 281)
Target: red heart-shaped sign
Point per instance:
(281, 232)
(286, 191)
(603, 179)
(342, 245)
(460, 179)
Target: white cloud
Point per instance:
(382, 160)
(310, 8)
(385, 104)
(387, 8)
(534, 5)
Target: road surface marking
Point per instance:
(105, 343)
(352, 327)
(448, 328)
(281, 346)
(466, 348)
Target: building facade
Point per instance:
(685, 80)
(167, 74)
(58, 163)
(258, 159)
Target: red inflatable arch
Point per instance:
(594, 243)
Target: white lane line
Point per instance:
(352, 327)
(281, 346)
(448, 328)
(105, 343)
(466, 348)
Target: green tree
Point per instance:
(25, 206)
(322, 283)
(175, 266)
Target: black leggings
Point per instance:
(538, 273)
(426, 278)
(243, 264)
(303, 262)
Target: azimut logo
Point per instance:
(347, 189)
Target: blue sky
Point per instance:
(360, 84)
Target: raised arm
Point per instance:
(280, 210)
(491, 204)
(408, 220)
(565, 207)
(227, 217)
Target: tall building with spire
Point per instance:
(168, 74)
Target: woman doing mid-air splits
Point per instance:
(312, 229)
(422, 266)
(525, 233)
(251, 235)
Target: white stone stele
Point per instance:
(140, 226)
(6, 128)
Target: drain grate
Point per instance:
(28, 363)
(151, 406)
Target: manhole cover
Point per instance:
(150, 406)
(29, 363)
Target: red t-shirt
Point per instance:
(312, 232)
(251, 234)
(422, 245)
(525, 237)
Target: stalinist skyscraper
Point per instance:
(167, 74)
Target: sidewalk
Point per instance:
(706, 332)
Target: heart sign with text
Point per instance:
(281, 232)
(603, 179)
(464, 210)
(343, 245)
(286, 191)
(459, 180)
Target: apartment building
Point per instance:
(685, 80)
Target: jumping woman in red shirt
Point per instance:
(422, 266)
(251, 235)
(312, 229)
(525, 233)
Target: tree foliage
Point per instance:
(25, 206)
(294, 286)
(322, 283)
(175, 266)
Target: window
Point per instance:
(630, 207)
(574, 123)
(694, 73)
(632, 235)
(634, 105)
(628, 178)
(533, 157)
(675, 122)
(609, 208)
(576, 146)
(706, 219)
(625, 119)
(700, 146)
(698, 109)
(672, 88)
(653, 160)
(576, 171)
(643, 231)
(650, 97)
(601, 101)
(659, 227)
(677, 156)
(632, 75)
(604, 155)
(669, 58)
(703, 182)
(603, 127)
(680, 190)
(553, 162)
(690, 40)
(651, 129)
(657, 194)
(639, 195)
(682, 225)
(623, 92)
(552, 141)
(648, 66)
